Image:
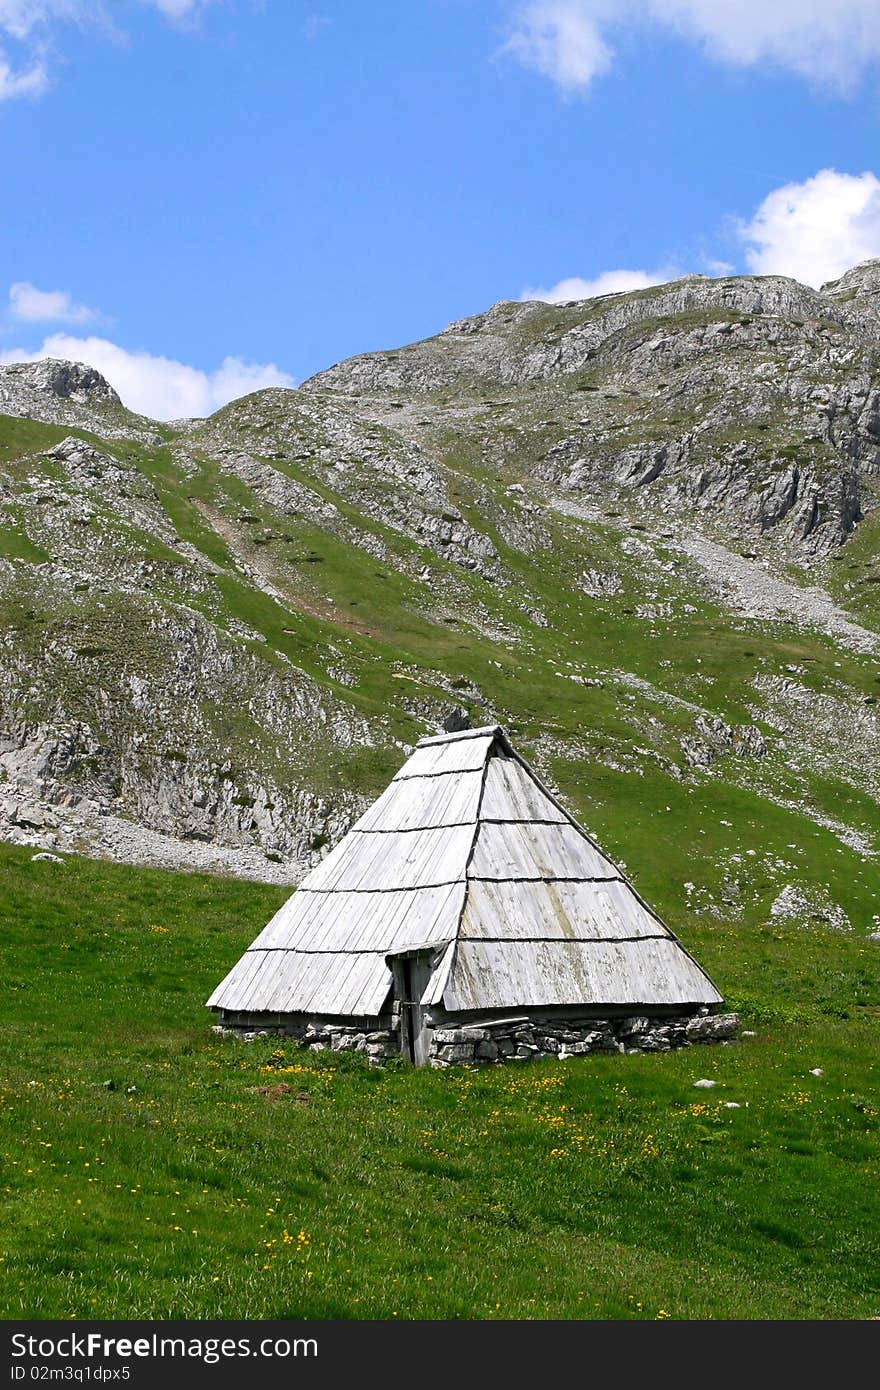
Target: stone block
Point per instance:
(524, 1035)
(631, 1026)
(712, 1027)
(456, 1052)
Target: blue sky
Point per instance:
(204, 196)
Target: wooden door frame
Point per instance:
(401, 966)
(399, 973)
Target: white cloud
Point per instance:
(560, 40)
(609, 282)
(20, 18)
(31, 81)
(178, 9)
(826, 41)
(159, 387)
(815, 230)
(812, 231)
(32, 25)
(27, 304)
(830, 41)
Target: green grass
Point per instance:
(671, 836)
(151, 1169)
(15, 545)
(22, 437)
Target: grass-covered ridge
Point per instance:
(151, 1169)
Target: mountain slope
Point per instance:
(749, 400)
(640, 531)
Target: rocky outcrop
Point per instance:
(69, 393)
(389, 479)
(745, 400)
(715, 739)
(54, 377)
(517, 343)
(857, 295)
(171, 723)
(809, 905)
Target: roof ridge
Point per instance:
(483, 732)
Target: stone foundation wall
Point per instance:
(377, 1043)
(501, 1040)
(518, 1039)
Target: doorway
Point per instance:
(415, 973)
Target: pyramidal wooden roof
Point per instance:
(466, 852)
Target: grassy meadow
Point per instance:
(151, 1169)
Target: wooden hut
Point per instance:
(467, 916)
